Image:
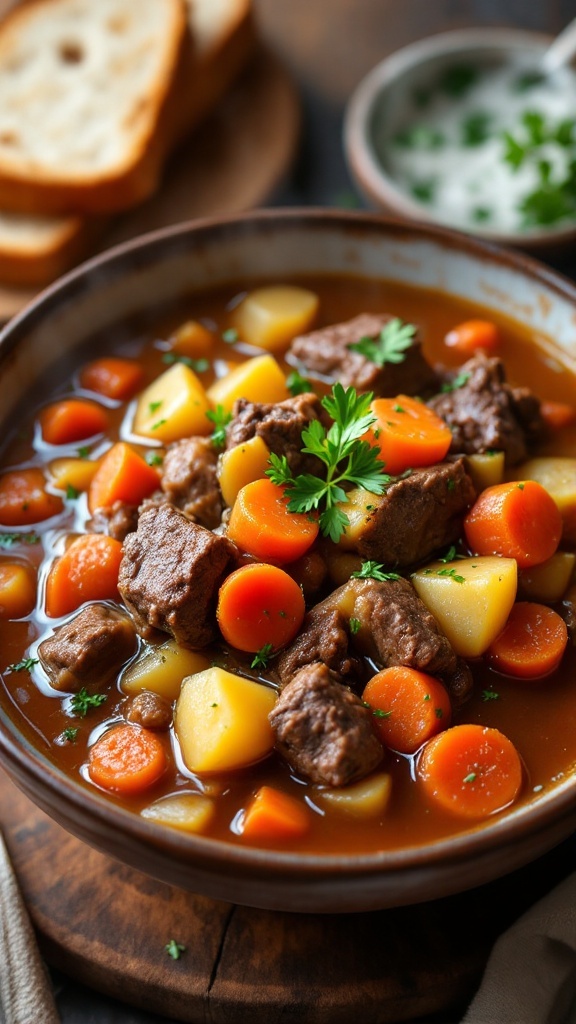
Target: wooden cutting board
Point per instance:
(107, 926)
(231, 163)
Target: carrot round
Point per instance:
(273, 814)
(261, 524)
(259, 604)
(123, 475)
(87, 571)
(72, 419)
(407, 433)
(518, 520)
(408, 707)
(127, 759)
(557, 415)
(471, 770)
(532, 642)
(112, 377)
(24, 499)
(472, 335)
(17, 590)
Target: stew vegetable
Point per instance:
(295, 567)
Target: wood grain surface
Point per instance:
(107, 926)
(230, 164)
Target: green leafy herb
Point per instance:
(374, 571)
(452, 574)
(23, 666)
(297, 384)
(419, 136)
(438, 712)
(198, 365)
(159, 423)
(481, 214)
(527, 80)
(470, 778)
(154, 406)
(450, 555)
(378, 713)
(458, 79)
(7, 540)
(175, 949)
(391, 344)
(354, 625)
(83, 452)
(70, 735)
(423, 190)
(476, 128)
(72, 492)
(230, 336)
(220, 417)
(153, 459)
(82, 702)
(457, 382)
(346, 458)
(490, 695)
(262, 657)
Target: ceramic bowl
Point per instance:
(377, 112)
(141, 276)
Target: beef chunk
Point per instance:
(150, 710)
(487, 413)
(117, 520)
(323, 638)
(323, 729)
(416, 516)
(326, 353)
(189, 480)
(90, 648)
(170, 574)
(280, 426)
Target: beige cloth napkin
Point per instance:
(25, 991)
(530, 977)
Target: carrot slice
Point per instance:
(17, 591)
(519, 520)
(471, 770)
(127, 759)
(24, 499)
(472, 335)
(123, 475)
(259, 604)
(407, 433)
(532, 642)
(72, 419)
(409, 707)
(261, 524)
(87, 571)
(113, 377)
(557, 415)
(273, 814)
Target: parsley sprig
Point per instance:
(82, 702)
(391, 344)
(374, 571)
(347, 460)
(220, 417)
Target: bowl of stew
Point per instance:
(288, 529)
(467, 128)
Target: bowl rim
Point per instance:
(31, 770)
(360, 154)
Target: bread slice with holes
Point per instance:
(87, 102)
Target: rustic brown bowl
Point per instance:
(144, 274)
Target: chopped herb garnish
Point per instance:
(419, 136)
(527, 80)
(520, 487)
(438, 712)
(82, 702)
(175, 949)
(70, 735)
(481, 214)
(7, 540)
(490, 695)
(198, 365)
(23, 666)
(450, 555)
(347, 460)
(83, 452)
(457, 382)
(391, 344)
(262, 657)
(153, 406)
(220, 417)
(374, 571)
(452, 574)
(378, 713)
(354, 625)
(72, 492)
(230, 336)
(297, 384)
(470, 778)
(159, 423)
(153, 459)
(458, 79)
(476, 128)
(423, 190)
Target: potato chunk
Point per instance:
(173, 406)
(258, 380)
(470, 599)
(242, 465)
(162, 669)
(189, 812)
(71, 472)
(272, 316)
(486, 469)
(558, 475)
(221, 721)
(367, 798)
(548, 582)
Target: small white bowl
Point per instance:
(382, 94)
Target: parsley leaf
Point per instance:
(374, 571)
(452, 574)
(490, 695)
(346, 458)
(457, 382)
(297, 384)
(23, 666)
(419, 136)
(261, 658)
(82, 702)
(70, 735)
(230, 336)
(476, 128)
(174, 949)
(355, 625)
(72, 492)
(8, 539)
(220, 417)
(458, 79)
(197, 365)
(391, 344)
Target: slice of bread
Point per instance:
(86, 93)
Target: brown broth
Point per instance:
(539, 717)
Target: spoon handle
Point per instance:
(561, 51)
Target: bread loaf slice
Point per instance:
(36, 249)
(86, 100)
